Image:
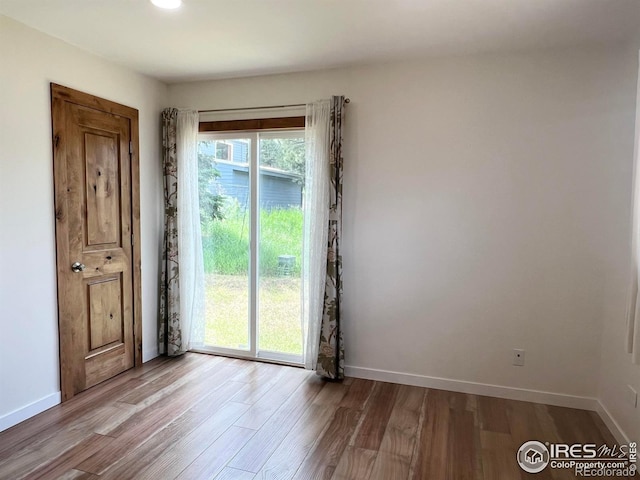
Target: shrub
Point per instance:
(225, 241)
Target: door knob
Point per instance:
(77, 267)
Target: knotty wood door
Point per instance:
(97, 218)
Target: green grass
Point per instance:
(225, 243)
(227, 313)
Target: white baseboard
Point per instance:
(149, 353)
(28, 411)
(612, 425)
(511, 393)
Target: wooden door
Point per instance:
(96, 224)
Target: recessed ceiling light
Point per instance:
(168, 4)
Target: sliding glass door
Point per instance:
(251, 189)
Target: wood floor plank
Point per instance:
(355, 464)
(175, 452)
(324, 457)
(388, 465)
(65, 416)
(398, 442)
(258, 413)
(59, 466)
(523, 424)
(174, 418)
(461, 448)
(258, 450)
(29, 460)
(524, 427)
(376, 416)
(74, 474)
(205, 382)
(234, 474)
(493, 414)
(357, 394)
(545, 423)
(606, 436)
(499, 461)
(400, 435)
(332, 393)
(182, 373)
(287, 458)
(432, 446)
(575, 426)
(41, 450)
(217, 455)
(262, 378)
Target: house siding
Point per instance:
(277, 190)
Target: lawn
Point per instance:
(227, 307)
(225, 243)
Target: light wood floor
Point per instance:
(205, 417)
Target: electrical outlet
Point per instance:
(518, 357)
(632, 396)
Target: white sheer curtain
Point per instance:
(316, 221)
(633, 316)
(189, 234)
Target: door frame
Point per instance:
(59, 95)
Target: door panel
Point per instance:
(226, 234)
(105, 312)
(102, 174)
(94, 223)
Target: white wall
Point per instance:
(480, 208)
(28, 307)
(617, 371)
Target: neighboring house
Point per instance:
(278, 188)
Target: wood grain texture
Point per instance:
(324, 457)
(267, 439)
(376, 416)
(358, 393)
(356, 463)
(96, 185)
(234, 474)
(180, 419)
(398, 442)
(257, 124)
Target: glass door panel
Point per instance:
(280, 232)
(251, 188)
(225, 214)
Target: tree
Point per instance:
(284, 153)
(211, 200)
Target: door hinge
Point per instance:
(130, 148)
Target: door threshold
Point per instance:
(247, 357)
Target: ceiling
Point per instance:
(232, 38)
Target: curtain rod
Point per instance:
(267, 107)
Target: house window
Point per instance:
(223, 151)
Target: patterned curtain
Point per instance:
(170, 337)
(331, 351)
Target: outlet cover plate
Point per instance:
(518, 357)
